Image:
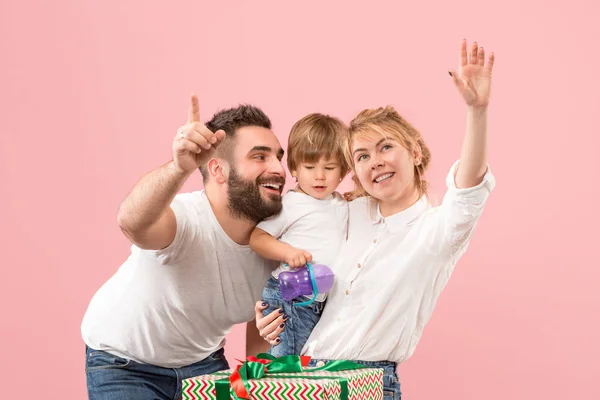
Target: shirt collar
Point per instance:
(403, 218)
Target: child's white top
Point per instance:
(391, 272)
(306, 223)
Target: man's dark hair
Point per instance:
(230, 120)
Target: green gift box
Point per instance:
(340, 380)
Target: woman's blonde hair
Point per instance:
(386, 122)
(316, 136)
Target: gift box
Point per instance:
(331, 382)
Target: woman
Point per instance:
(400, 251)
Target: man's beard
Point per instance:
(246, 201)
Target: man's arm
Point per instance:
(145, 216)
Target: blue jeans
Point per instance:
(298, 326)
(391, 382)
(115, 378)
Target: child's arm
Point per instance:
(267, 246)
(474, 82)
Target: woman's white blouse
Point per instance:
(390, 273)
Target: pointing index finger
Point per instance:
(194, 112)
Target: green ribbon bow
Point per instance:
(282, 367)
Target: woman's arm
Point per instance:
(473, 82)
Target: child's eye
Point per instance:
(309, 167)
(329, 168)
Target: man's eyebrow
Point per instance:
(268, 150)
(261, 148)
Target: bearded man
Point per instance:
(163, 316)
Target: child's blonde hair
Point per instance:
(386, 122)
(316, 136)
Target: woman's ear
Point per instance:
(417, 155)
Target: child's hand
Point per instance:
(297, 258)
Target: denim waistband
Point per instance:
(388, 366)
(273, 285)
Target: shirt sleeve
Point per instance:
(275, 225)
(187, 230)
(462, 207)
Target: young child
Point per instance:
(311, 226)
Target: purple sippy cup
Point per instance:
(300, 282)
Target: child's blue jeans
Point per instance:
(299, 325)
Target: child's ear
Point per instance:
(294, 175)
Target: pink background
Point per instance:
(92, 92)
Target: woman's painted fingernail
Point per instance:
(282, 325)
(278, 340)
(281, 311)
(285, 316)
(264, 304)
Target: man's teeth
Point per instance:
(271, 185)
(383, 177)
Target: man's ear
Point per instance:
(218, 169)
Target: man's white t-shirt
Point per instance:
(313, 225)
(174, 307)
